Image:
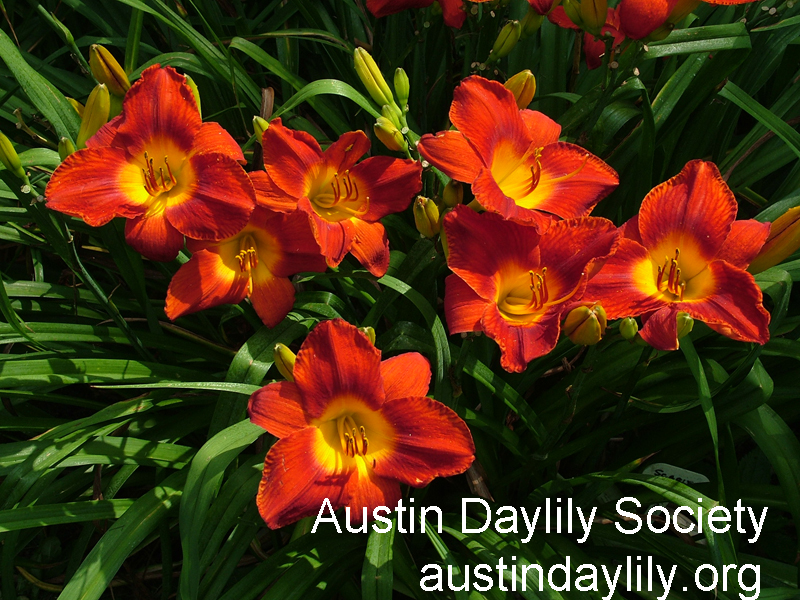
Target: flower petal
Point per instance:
(217, 201)
(335, 239)
(558, 16)
(300, 471)
(660, 329)
(371, 246)
(211, 137)
(487, 114)
(521, 343)
(396, 371)
(337, 361)
(97, 184)
(295, 249)
(291, 158)
(693, 211)
(430, 441)
(270, 195)
(640, 18)
(454, 13)
(154, 237)
(451, 153)
(342, 154)
(203, 282)
(744, 242)
(482, 246)
(463, 308)
(367, 489)
(278, 408)
(106, 134)
(389, 183)
(542, 128)
(491, 197)
(272, 297)
(731, 299)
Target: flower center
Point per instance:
(352, 437)
(520, 301)
(157, 182)
(669, 276)
(339, 198)
(248, 255)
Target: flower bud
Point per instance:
(589, 15)
(65, 148)
(195, 92)
(10, 158)
(95, 115)
(685, 324)
(76, 105)
(391, 112)
(284, 359)
(453, 194)
(391, 137)
(402, 88)
(585, 325)
(107, 70)
(369, 332)
(445, 247)
(523, 86)
(783, 241)
(260, 125)
(628, 328)
(530, 23)
(506, 40)
(371, 77)
(426, 217)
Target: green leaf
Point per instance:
(46, 515)
(377, 572)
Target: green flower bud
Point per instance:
(371, 77)
(585, 325)
(426, 217)
(107, 70)
(76, 105)
(523, 86)
(260, 125)
(195, 92)
(391, 112)
(628, 328)
(453, 194)
(95, 115)
(10, 158)
(402, 88)
(369, 332)
(65, 148)
(530, 23)
(589, 15)
(506, 40)
(685, 324)
(284, 360)
(391, 137)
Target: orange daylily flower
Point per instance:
(159, 166)
(640, 18)
(256, 262)
(685, 252)
(515, 284)
(352, 428)
(513, 159)
(452, 10)
(343, 200)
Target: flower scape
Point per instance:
(552, 261)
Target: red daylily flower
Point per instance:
(593, 48)
(513, 159)
(352, 428)
(256, 262)
(453, 11)
(159, 166)
(515, 284)
(640, 18)
(343, 200)
(542, 7)
(685, 252)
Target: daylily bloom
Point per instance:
(685, 252)
(256, 262)
(543, 7)
(352, 428)
(159, 166)
(343, 200)
(452, 10)
(513, 159)
(593, 48)
(515, 284)
(640, 18)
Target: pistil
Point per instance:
(669, 276)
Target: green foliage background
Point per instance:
(126, 460)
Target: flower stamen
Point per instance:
(152, 184)
(673, 283)
(353, 438)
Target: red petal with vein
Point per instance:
(572, 182)
(211, 137)
(93, 184)
(491, 197)
(154, 237)
(660, 329)
(487, 114)
(733, 300)
(334, 239)
(338, 361)
(481, 246)
(371, 246)
(383, 8)
(693, 209)
(451, 153)
(289, 156)
(431, 441)
(270, 195)
(217, 204)
(297, 478)
(520, 344)
(625, 286)
(390, 183)
(203, 282)
(344, 152)
(744, 242)
(395, 373)
(463, 308)
(640, 18)
(630, 229)
(541, 6)
(272, 297)
(559, 17)
(453, 12)
(298, 250)
(278, 408)
(367, 489)
(159, 105)
(542, 128)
